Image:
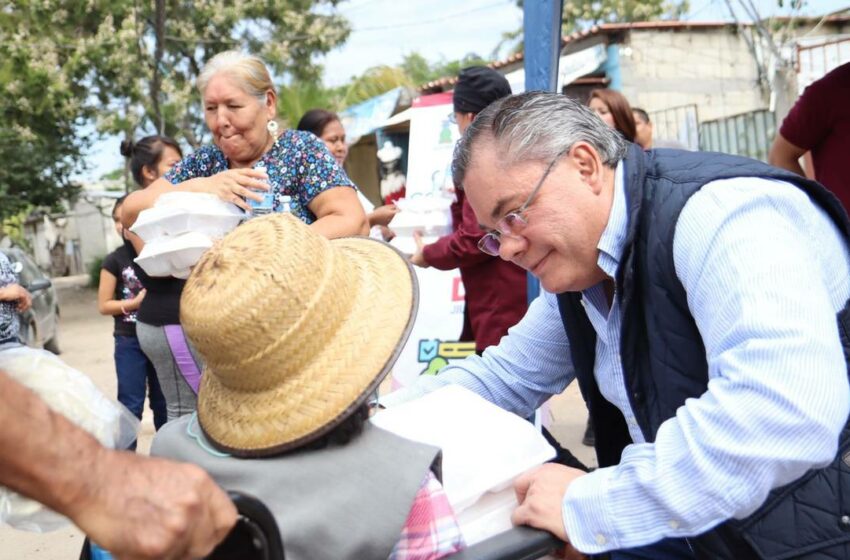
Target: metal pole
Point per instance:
(542, 37)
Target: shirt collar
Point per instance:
(613, 238)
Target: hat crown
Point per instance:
(255, 308)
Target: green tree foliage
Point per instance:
(41, 108)
(66, 64)
(375, 81)
(414, 71)
(421, 71)
(287, 34)
(299, 97)
(12, 226)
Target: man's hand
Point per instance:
(142, 508)
(540, 493)
(418, 258)
(16, 292)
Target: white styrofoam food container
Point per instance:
(179, 212)
(173, 256)
(484, 449)
(429, 215)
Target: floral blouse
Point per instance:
(298, 164)
(9, 320)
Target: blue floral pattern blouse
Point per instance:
(9, 319)
(298, 164)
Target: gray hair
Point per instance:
(249, 71)
(536, 126)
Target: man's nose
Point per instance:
(511, 247)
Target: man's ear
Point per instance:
(586, 159)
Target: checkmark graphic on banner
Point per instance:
(428, 350)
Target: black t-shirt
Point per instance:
(161, 305)
(119, 263)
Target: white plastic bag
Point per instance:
(74, 395)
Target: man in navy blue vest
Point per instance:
(700, 300)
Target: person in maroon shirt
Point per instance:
(496, 296)
(820, 122)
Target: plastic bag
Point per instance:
(74, 395)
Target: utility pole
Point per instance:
(156, 82)
(542, 38)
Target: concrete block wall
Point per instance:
(711, 68)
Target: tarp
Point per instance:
(368, 116)
(398, 118)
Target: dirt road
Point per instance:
(86, 342)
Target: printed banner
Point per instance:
(433, 343)
(432, 141)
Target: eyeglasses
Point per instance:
(513, 222)
(453, 117)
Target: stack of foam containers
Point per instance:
(428, 214)
(179, 228)
(484, 449)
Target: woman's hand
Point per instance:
(382, 215)
(16, 293)
(136, 302)
(233, 185)
(418, 258)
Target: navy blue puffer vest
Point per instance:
(664, 360)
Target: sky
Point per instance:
(383, 31)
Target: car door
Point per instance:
(41, 313)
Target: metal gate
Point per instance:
(677, 123)
(748, 134)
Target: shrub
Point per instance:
(94, 272)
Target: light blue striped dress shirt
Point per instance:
(765, 273)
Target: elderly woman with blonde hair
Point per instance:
(249, 160)
(248, 155)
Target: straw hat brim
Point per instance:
(339, 378)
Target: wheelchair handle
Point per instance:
(517, 543)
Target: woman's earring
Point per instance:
(272, 128)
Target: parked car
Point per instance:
(40, 324)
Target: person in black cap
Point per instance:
(495, 289)
(476, 88)
(495, 297)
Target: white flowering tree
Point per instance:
(129, 67)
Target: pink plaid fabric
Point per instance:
(431, 530)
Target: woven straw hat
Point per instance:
(296, 331)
